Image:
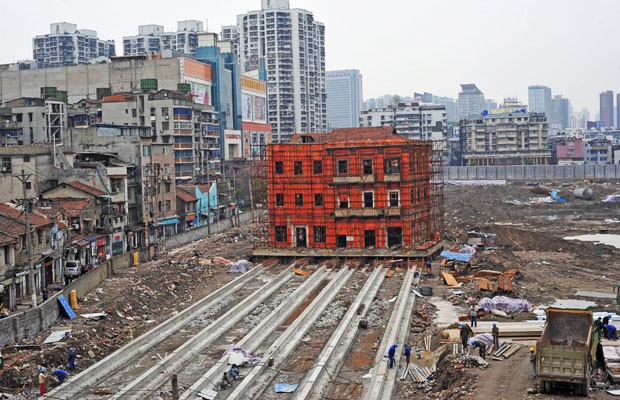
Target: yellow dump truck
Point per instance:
(566, 350)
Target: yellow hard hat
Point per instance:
(532, 349)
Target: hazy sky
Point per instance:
(400, 46)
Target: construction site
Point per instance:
(308, 297)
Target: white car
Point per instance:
(73, 268)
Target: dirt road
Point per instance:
(507, 379)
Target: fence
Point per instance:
(533, 172)
(29, 323)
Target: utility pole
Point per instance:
(26, 204)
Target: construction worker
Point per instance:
(611, 332)
(495, 333)
(429, 268)
(61, 375)
(42, 380)
(481, 346)
(234, 372)
(598, 325)
(71, 358)
(473, 315)
(606, 320)
(407, 353)
(533, 361)
(391, 353)
(225, 382)
(464, 336)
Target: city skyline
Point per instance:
(497, 65)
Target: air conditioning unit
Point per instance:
(76, 227)
(166, 177)
(4, 169)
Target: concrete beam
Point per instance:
(333, 355)
(251, 386)
(261, 332)
(102, 369)
(152, 379)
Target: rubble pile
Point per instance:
(134, 301)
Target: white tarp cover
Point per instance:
(505, 304)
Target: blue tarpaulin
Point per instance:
(66, 307)
(456, 256)
(285, 387)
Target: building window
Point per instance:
(6, 164)
(279, 167)
(28, 185)
(343, 201)
(299, 199)
(298, 168)
(26, 158)
(343, 167)
(168, 205)
(165, 126)
(317, 168)
(164, 112)
(394, 237)
(369, 199)
(319, 235)
(279, 200)
(392, 166)
(280, 234)
(167, 187)
(318, 199)
(367, 167)
(394, 198)
(146, 151)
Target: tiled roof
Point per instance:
(74, 207)
(85, 188)
(12, 212)
(351, 134)
(119, 97)
(185, 196)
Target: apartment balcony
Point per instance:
(10, 125)
(354, 179)
(183, 132)
(186, 174)
(183, 160)
(367, 212)
(183, 146)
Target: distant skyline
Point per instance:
(426, 46)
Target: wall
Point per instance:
(29, 323)
(82, 81)
(533, 172)
(200, 233)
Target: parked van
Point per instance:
(73, 268)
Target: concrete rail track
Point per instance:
(316, 382)
(383, 378)
(101, 370)
(152, 379)
(259, 333)
(262, 374)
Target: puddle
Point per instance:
(447, 314)
(604, 238)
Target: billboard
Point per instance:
(259, 109)
(201, 93)
(246, 107)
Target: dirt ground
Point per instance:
(135, 300)
(530, 237)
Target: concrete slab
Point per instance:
(595, 295)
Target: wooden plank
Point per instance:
(389, 273)
(449, 278)
(301, 272)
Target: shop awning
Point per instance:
(170, 221)
(190, 217)
(82, 243)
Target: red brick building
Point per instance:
(360, 191)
